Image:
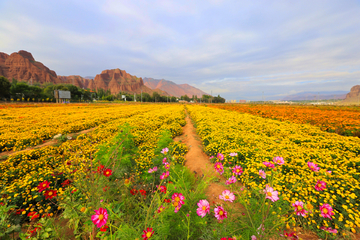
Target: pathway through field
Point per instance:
(198, 162)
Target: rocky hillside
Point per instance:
(23, 67)
(353, 95)
(172, 88)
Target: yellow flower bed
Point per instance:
(29, 126)
(22, 172)
(256, 140)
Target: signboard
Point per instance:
(64, 94)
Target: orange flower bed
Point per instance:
(342, 120)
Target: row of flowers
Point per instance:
(328, 118)
(321, 169)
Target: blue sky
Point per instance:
(238, 49)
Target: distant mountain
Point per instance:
(172, 88)
(316, 96)
(353, 95)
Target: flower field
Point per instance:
(28, 126)
(342, 120)
(126, 179)
(320, 167)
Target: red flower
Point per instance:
(66, 183)
(33, 215)
(143, 192)
(19, 211)
(2, 204)
(163, 189)
(43, 185)
(68, 163)
(107, 172)
(49, 194)
(33, 232)
(167, 200)
(105, 188)
(147, 233)
(104, 228)
(100, 168)
(133, 191)
(73, 190)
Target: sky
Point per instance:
(238, 49)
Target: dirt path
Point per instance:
(49, 142)
(199, 163)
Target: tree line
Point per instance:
(22, 91)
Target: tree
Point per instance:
(4, 87)
(186, 98)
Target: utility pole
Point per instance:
(141, 95)
(134, 98)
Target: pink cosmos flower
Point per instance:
(231, 180)
(211, 157)
(220, 156)
(269, 164)
(164, 150)
(278, 160)
(147, 233)
(313, 166)
(164, 175)
(178, 199)
(151, 170)
(262, 173)
(100, 218)
(164, 160)
(238, 170)
(167, 165)
(328, 172)
(234, 154)
(160, 209)
(326, 211)
(320, 185)
(220, 213)
(219, 167)
(253, 237)
(271, 194)
(227, 196)
(299, 208)
(329, 229)
(204, 207)
(177, 208)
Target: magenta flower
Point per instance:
(262, 173)
(164, 150)
(226, 195)
(167, 165)
(269, 164)
(313, 166)
(204, 207)
(278, 160)
(234, 154)
(211, 157)
(151, 170)
(326, 211)
(320, 185)
(231, 180)
(178, 199)
(164, 175)
(220, 156)
(329, 229)
(177, 208)
(219, 167)
(299, 208)
(100, 218)
(271, 194)
(220, 213)
(238, 170)
(164, 160)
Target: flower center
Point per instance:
(221, 212)
(177, 199)
(299, 208)
(218, 166)
(175, 204)
(107, 172)
(227, 197)
(269, 194)
(44, 185)
(101, 217)
(204, 208)
(148, 234)
(50, 193)
(237, 170)
(325, 211)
